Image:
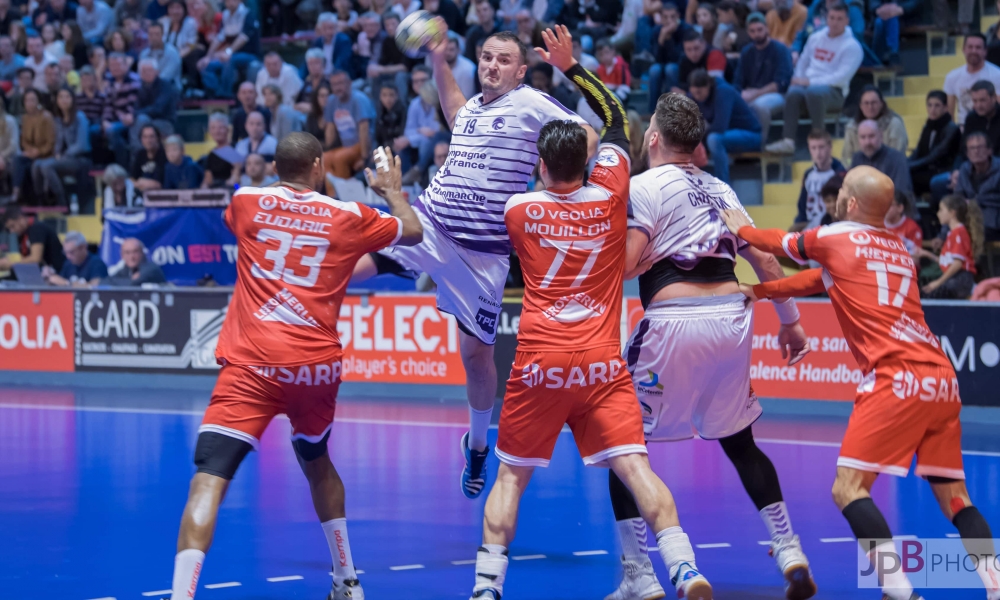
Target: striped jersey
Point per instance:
(491, 157)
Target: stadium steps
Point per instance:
(919, 85)
(782, 194)
(942, 64)
(908, 105)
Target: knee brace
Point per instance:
(309, 451)
(219, 455)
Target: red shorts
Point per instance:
(591, 391)
(245, 399)
(902, 410)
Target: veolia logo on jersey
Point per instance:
(535, 211)
(860, 238)
(267, 202)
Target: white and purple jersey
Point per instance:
(678, 207)
(491, 157)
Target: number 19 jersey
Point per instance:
(572, 251)
(296, 255)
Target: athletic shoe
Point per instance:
(487, 594)
(794, 565)
(638, 583)
(690, 584)
(349, 589)
(474, 475)
(784, 146)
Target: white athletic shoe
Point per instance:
(638, 583)
(794, 565)
(349, 589)
(690, 584)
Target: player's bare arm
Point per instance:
(386, 181)
(450, 94)
(635, 246)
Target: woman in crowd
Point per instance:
(181, 30)
(222, 169)
(284, 118)
(119, 191)
(939, 144)
(315, 65)
(54, 46)
(10, 145)
(958, 256)
(98, 59)
(209, 21)
(708, 22)
(19, 37)
(70, 154)
(38, 138)
(149, 162)
(872, 106)
(120, 40)
(390, 120)
(73, 43)
(315, 123)
(180, 172)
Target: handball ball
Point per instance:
(417, 33)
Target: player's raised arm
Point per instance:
(450, 94)
(386, 181)
(600, 99)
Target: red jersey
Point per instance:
(572, 250)
(909, 230)
(296, 254)
(872, 282)
(957, 246)
(615, 75)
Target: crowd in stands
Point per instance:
(88, 88)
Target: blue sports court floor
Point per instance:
(92, 484)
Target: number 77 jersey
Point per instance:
(297, 251)
(571, 244)
(872, 283)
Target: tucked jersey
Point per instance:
(572, 251)
(910, 232)
(296, 253)
(491, 157)
(957, 246)
(872, 282)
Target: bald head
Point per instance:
(869, 137)
(866, 196)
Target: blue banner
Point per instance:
(970, 338)
(187, 243)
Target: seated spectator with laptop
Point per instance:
(38, 243)
(81, 267)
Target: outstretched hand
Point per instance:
(560, 48)
(387, 180)
(734, 219)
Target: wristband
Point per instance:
(788, 312)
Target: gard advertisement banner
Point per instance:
(36, 331)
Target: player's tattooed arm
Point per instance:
(387, 181)
(600, 99)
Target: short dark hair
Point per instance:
(422, 69)
(983, 85)
(155, 24)
(545, 69)
(700, 78)
(296, 154)
(12, 213)
(938, 94)
(602, 43)
(820, 134)
(839, 7)
(680, 122)
(669, 6)
(563, 147)
(831, 187)
(979, 134)
(901, 197)
(691, 35)
(23, 69)
(510, 36)
(974, 34)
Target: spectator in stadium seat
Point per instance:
(19, 34)
(405, 8)
(284, 118)
(489, 22)
(984, 115)
(218, 168)
(180, 31)
(390, 121)
(816, 20)
(277, 72)
(938, 146)
(958, 83)
(668, 49)
(763, 73)
(81, 268)
(168, 59)
(824, 168)
(10, 61)
(315, 122)
(119, 112)
(450, 12)
(993, 41)
(118, 188)
(347, 18)
(462, 68)
(255, 174)
(822, 77)
(124, 9)
(98, 61)
(873, 153)
(38, 136)
(37, 60)
(258, 140)
(37, 241)
(732, 23)
(613, 70)
(423, 130)
(731, 124)
(54, 12)
(74, 43)
(235, 46)
(979, 180)
(70, 154)
(10, 145)
(898, 222)
(371, 35)
(349, 115)
(872, 106)
(8, 15)
(136, 268)
(595, 19)
(180, 172)
(528, 29)
(54, 81)
(388, 63)
(156, 10)
(95, 18)
(54, 46)
(15, 100)
(69, 74)
(698, 55)
(315, 76)
(92, 102)
(149, 162)
(889, 18)
(440, 156)
(247, 97)
(156, 102)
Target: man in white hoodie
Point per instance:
(822, 76)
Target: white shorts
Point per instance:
(469, 283)
(690, 365)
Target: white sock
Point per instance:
(340, 549)
(491, 568)
(479, 424)
(187, 568)
(775, 517)
(896, 585)
(633, 536)
(675, 549)
(988, 572)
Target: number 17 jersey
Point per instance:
(297, 251)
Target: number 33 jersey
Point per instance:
(571, 244)
(297, 251)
